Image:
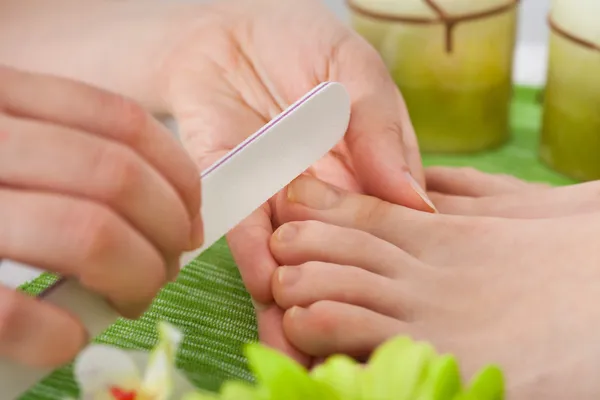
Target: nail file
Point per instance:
(232, 188)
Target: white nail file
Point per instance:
(232, 188)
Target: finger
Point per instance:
(379, 135)
(79, 106)
(39, 156)
(35, 333)
(311, 199)
(84, 240)
(327, 328)
(470, 182)
(249, 243)
(296, 243)
(270, 332)
(311, 282)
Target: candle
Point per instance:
(571, 123)
(452, 61)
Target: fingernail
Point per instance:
(286, 232)
(288, 275)
(312, 193)
(197, 233)
(295, 311)
(419, 190)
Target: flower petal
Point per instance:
(100, 367)
(158, 380)
(180, 383)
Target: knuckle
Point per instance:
(410, 147)
(132, 119)
(324, 319)
(10, 310)
(93, 228)
(118, 169)
(474, 228)
(372, 213)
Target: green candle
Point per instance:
(571, 125)
(452, 60)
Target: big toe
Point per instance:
(432, 238)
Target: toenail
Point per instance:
(419, 190)
(294, 311)
(312, 193)
(288, 275)
(286, 232)
(259, 306)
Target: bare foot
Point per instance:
(517, 292)
(467, 191)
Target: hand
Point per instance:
(243, 63)
(93, 188)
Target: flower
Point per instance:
(107, 373)
(400, 369)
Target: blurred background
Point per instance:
(531, 52)
(533, 29)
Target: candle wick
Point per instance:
(569, 36)
(446, 19)
(442, 17)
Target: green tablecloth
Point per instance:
(209, 301)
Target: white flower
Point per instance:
(107, 373)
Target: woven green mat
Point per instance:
(209, 301)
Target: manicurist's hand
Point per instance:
(93, 188)
(243, 63)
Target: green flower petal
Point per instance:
(200, 396)
(280, 376)
(396, 369)
(488, 384)
(235, 390)
(342, 375)
(443, 380)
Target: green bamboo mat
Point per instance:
(209, 301)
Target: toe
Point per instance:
(471, 182)
(315, 281)
(295, 243)
(270, 332)
(327, 327)
(311, 199)
(532, 204)
(428, 237)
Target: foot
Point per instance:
(521, 293)
(466, 191)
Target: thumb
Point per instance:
(385, 151)
(380, 136)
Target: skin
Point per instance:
(225, 89)
(86, 178)
(519, 292)
(223, 69)
(467, 191)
